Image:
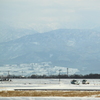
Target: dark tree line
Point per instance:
(90, 76)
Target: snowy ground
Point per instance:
(43, 84)
(48, 98)
(48, 84)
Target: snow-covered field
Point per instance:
(43, 84)
(48, 84)
(47, 81)
(48, 98)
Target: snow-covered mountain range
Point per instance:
(70, 48)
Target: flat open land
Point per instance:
(49, 88)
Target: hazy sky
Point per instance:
(45, 15)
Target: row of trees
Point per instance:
(66, 76)
(90, 76)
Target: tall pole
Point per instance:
(22, 73)
(67, 72)
(59, 75)
(8, 75)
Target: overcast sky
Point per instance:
(45, 15)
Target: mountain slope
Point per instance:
(8, 33)
(64, 47)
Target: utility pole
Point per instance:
(59, 75)
(22, 73)
(67, 72)
(8, 74)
